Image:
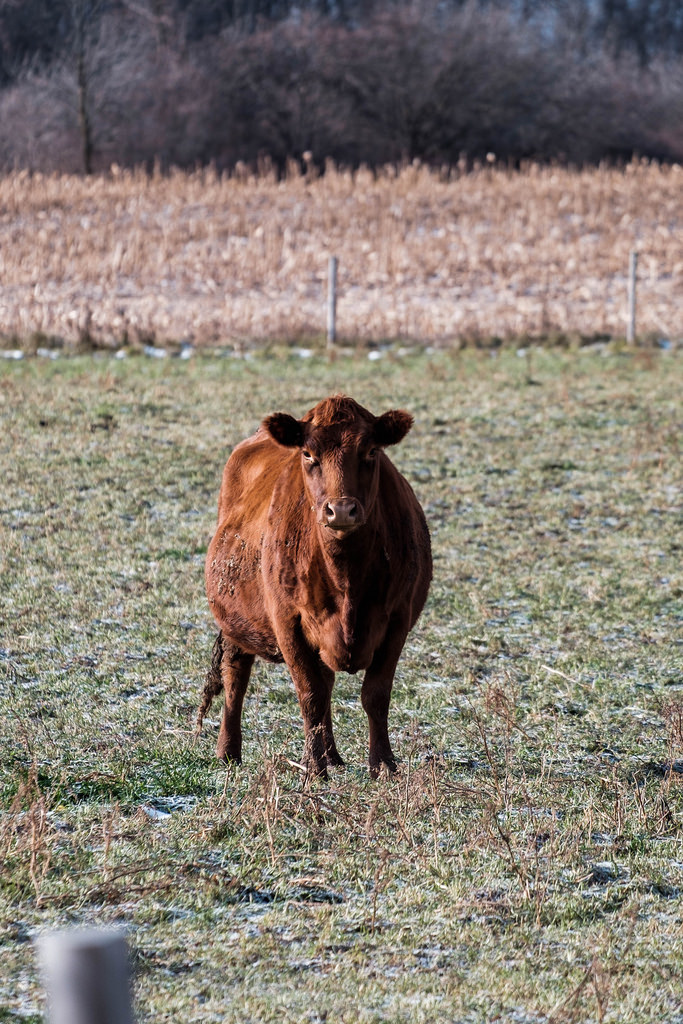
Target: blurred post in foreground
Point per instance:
(86, 975)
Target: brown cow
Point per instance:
(321, 559)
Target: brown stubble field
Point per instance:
(132, 258)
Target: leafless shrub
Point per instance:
(37, 127)
(405, 82)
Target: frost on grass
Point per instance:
(525, 863)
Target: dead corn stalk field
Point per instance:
(448, 258)
(525, 865)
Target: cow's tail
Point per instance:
(213, 684)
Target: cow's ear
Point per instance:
(284, 429)
(391, 427)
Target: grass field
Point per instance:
(132, 259)
(526, 864)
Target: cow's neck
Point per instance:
(354, 573)
(348, 563)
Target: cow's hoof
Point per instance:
(228, 756)
(315, 769)
(386, 766)
(334, 759)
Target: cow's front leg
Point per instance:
(375, 696)
(235, 671)
(331, 753)
(313, 682)
(314, 695)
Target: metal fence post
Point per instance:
(632, 274)
(86, 976)
(332, 302)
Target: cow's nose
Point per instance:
(342, 513)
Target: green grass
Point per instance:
(527, 863)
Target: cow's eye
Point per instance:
(310, 458)
(372, 453)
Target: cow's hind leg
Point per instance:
(230, 670)
(213, 684)
(235, 671)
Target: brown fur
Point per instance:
(321, 559)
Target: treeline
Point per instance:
(88, 83)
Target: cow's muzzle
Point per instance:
(342, 515)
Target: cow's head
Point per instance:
(341, 447)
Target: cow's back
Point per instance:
(248, 481)
(233, 565)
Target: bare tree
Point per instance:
(429, 81)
